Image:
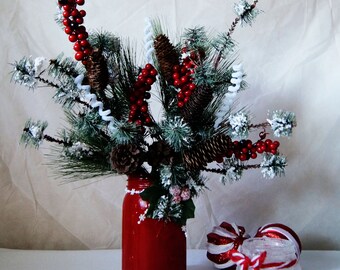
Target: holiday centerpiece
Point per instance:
(105, 95)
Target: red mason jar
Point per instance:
(150, 244)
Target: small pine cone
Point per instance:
(207, 151)
(126, 158)
(160, 152)
(166, 55)
(198, 101)
(97, 73)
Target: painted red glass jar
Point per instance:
(149, 244)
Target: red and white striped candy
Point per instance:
(222, 241)
(280, 231)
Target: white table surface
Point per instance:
(111, 260)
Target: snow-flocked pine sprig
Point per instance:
(246, 12)
(282, 123)
(33, 134)
(176, 132)
(239, 123)
(167, 208)
(106, 42)
(26, 71)
(58, 17)
(273, 165)
(78, 150)
(173, 175)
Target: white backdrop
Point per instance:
(291, 56)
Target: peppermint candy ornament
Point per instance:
(280, 231)
(222, 241)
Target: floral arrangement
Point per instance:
(105, 95)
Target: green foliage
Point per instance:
(33, 133)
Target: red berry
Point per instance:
(189, 65)
(148, 120)
(276, 143)
(66, 22)
(259, 150)
(180, 104)
(72, 38)
(149, 66)
(187, 93)
(80, 2)
(176, 76)
(253, 155)
(186, 99)
(268, 141)
(139, 122)
(79, 56)
(145, 72)
(140, 102)
(153, 72)
(79, 20)
(192, 86)
(243, 157)
(150, 81)
(67, 7)
(272, 146)
(177, 83)
(180, 95)
(144, 108)
(132, 99)
(184, 79)
(147, 95)
(219, 159)
(133, 107)
(84, 43)
(77, 47)
(83, 36)
(88, 51)
(81, 29)
(74, 13)
(176, 68)
(244, 150)
(68, 30)
(183, 70)
(229, 154)
(82, 13)
(66, 14)
(193, 55)
(273, 151)
(141, 79)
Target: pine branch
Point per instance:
(231, 31)
(261, 125)
(224, 171)
(54, 140)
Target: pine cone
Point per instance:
(196, 104)
(166, 55)
(207, 151)
(126, 158)
(160, 152)
(97, 74)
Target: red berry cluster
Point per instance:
(182, 76)
(73, 20)
(139, 110)
(246, 149)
